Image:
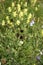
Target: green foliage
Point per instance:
(21, 32)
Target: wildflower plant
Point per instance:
(21, 32)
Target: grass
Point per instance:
(21, 32)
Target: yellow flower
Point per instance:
(9, 9)
(33, 2)
(3, 22)
(42, 32)
(36, 8)
(21, 2)
(11, 24)
(28, 20)
(8, 21)
(14, 14)
(34, 64)
(18, 22)
(38, 5)
(20, 14)
(7, 17)
(13, 4)
(29, 17)
(18, 7)
(25, 11)
(25, 4)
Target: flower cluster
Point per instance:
(21, 32)
(17, 12)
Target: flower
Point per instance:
(25, 11)
(41, 53)
(7, 17)
(28, 21)
(36, 8)
(14, 13)
(42, 32)
(38, 58)
(18, 7)
(20, 43)
(20, 14)
(3, 22)
(9, 9)
(25, 4)
(29, 16)
(11, 23)
(8, 21)
(42, 26)
(33, 2)
(0, 63)
(18, 22)
(32, 22)
(34, 64)
(13, 4)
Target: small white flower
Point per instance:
(41, 52)
(38, 58)
(20, 43)
(32, 22)
(42, 26)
